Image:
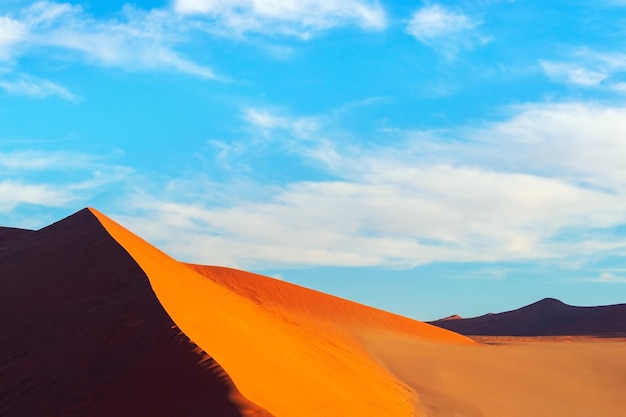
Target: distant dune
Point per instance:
(548, 317)
(97, 322)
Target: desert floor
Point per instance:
(510, 376)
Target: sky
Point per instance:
(428, 158)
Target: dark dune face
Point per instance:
(11, 233)
(548, 317)
(82, 334)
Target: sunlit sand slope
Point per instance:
(316, 307)
(293, 351)
(82, 334)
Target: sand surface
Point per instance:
(97, 322)
(513, 377)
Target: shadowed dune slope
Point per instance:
(296, 352)
(82, 334)
(10, 233)
(548, 317)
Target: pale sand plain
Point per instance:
(509, 376)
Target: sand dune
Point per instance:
(548, 317)
(326, 310)
(82, 334)
(97, 322)
(269, 337)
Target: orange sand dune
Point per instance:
(290, 299)
(293, 351)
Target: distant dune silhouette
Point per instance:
(96, 322)
(547, 317)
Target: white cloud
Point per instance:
(11, 33)
(432, 22)
(54, 179)
(33, 160)
(549, 183)
(572, 73)
(581, 143)
(141, 40)
(608, 278)
(299, 127)
(13, 193)
(443, 29)
(29, 86)
(293, 17)
(589, 69)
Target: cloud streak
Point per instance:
(25, 85)
(497, 195)
(446, 30)
(302, 18)
(587, 68)
(14, 193)
(54, 179)
(140, 40)
(607, 278)
(147, 40)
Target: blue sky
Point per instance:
(428, 158)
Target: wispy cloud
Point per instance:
(34, 160)
(267, 120)
(147, 40)
(571, 73)
(608, 278)
(11, 33)
(140, 40)
(13, 193)
(499, 194)
(446, 30)
(54, 179)
(301, 18)
(588, 69)
(25, 85)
